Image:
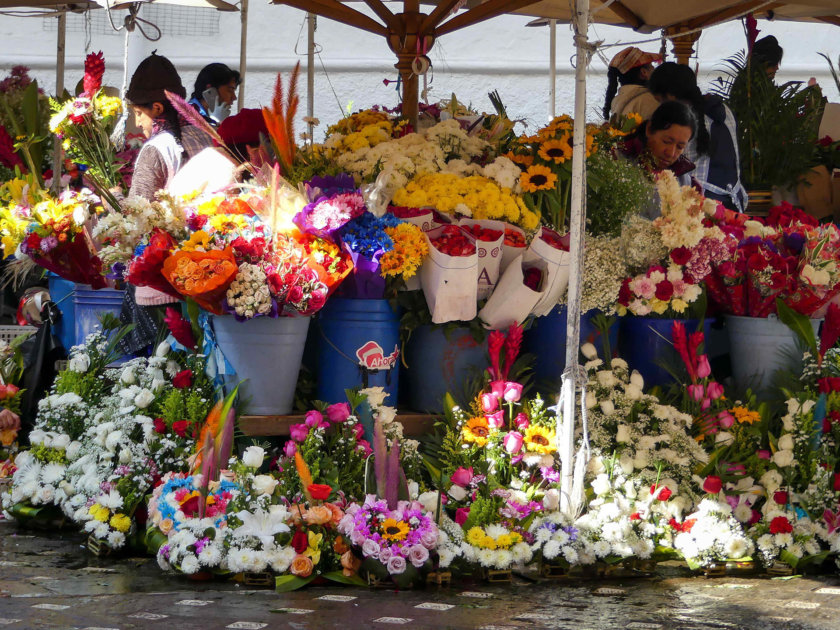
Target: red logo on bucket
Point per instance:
(373, 357)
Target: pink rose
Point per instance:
(715, 390)
(338, 412)
(703, 367)
(763, 454)
(696, 392)
(512, 392)
(365, 446)
(314, 419)
(462, 476)
(489, 403)
(418, 555)
(496, 420)
(725, 420)
(384, 555)
(521, 421)
(461, 515)
(290, 448)
(298, 432)
(512, 442)
(429, 539)
(396, 565)
(358, 431)
(497, 388)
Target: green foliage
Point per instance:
(777, 124)
(616, 188)
(484, 511)
(799, 324)
(88, 385)
(832, 69)
(48, 455)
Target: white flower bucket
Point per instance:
(266, 354)
(759, 347)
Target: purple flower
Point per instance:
(48, 243)
(549, 474)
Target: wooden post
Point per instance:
(682, 45)
(408, 41)
(58, 152)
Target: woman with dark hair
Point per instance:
(768, 53)
(171, 139)
(630, 68)
(215, 92)
(714, 149)
(659, 143)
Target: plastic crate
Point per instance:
(8, 333)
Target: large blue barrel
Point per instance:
(61, 292)
(358, 346)
(546, 340)
(438, 363)
(89, 304)
(646, 344)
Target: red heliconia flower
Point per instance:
(180, 328)
(94, 69)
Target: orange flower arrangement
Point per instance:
(202, 276)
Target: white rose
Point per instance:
(623, 434)
(386, 415)
(608, 408)
(771, 480)
(783, 458)
(61, 441)
(589, 351)
(163, 349)
(591, 400)
(413, 490)
(429, 501)
(67, 488)
(36, 437)
(264, 484)
(457, 492)
(786, 442)
(128, 377)
(144, 399)
(72, 450)
(637, 379)
(253, 456)
(551, 500)
(626, 463)
(125, 456)
(633, 392)
(724, 437)
(596, 465)
(79, 363)
(48, 439)
(601, 484)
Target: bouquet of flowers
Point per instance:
(25, 144)
(195, 547)
(711, 534)
(781, 536)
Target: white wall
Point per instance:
(498, 54)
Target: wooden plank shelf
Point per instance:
(414, 424)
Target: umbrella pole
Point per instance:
(243, 52)
(59, 90)
(310, 73)
(552, 105)
(566, 435)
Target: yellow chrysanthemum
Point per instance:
(746, 416)
(537, 178)
(198, 241)
(475, 536)
(410, 248)
(504, 541)
(120, 522)
(557, 151)
(99, 512)
(539, 439)
(476, 431)
(488, 543)
(395, 530)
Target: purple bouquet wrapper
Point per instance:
(365, 281)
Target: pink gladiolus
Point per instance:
(298, 432)
(512, 392)
(725, 420)
(461, 515)
(462, 476)
(512, 442)
(703, 367)
(489, 403)
(338, 412)
(696, 392)
(314, 419)
(521, 421)
(715, 390)
(496, 420)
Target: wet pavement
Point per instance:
(52, 581)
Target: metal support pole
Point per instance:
(566, 436)
(243, 52)
(58, 156)
(552, 105)
(310, 72)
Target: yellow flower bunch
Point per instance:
(477, 537)
(198, 241)
(107, 106)
(475, 196)
(355, 122)
(410, 248)
(99, 512)
(366, 137)
(120, 522)
(745, 416)
(227, 223)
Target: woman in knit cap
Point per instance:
(631, 68)
(171, 139)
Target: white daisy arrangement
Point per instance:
(196, 546)
(782, 536)
(495, 546)
(557, 539)
(712, 534)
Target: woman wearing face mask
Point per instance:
(171, 139)
(714, 149)
(215, 92)
(630, 68)
(659, 144)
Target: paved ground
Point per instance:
(51, 581)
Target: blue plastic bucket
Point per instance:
(90, 304)
(546, 340)
(645, 342)
(437, 364)
(358, 346)
(61, 292)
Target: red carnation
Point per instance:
(635, 516)
(300, 542)
(94, 69)
(182, 379)
(780, 497)
(664, 290)
(180, 427)
(160, 425)
(712, 484)
(680, 255)
(319, 491)
(780, 525)
(624, 293)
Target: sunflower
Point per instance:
(393, 529)
(539, 439)
(557, 150)
(476, 431)
(537, 178)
